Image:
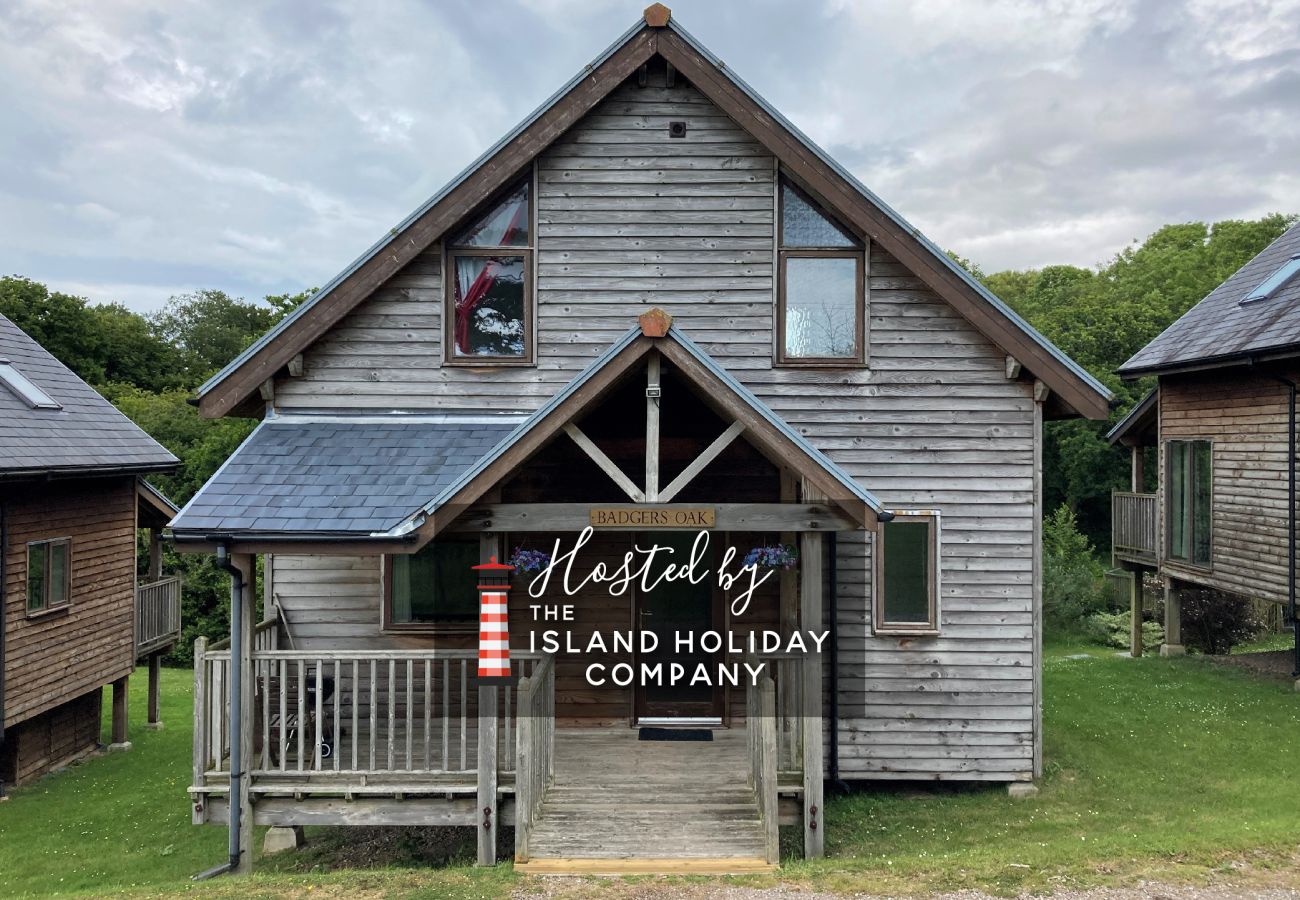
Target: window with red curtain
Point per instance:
(489, 276)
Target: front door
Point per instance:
(675, 608)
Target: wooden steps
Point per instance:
(623, 806)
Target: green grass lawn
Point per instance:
(1164, 769)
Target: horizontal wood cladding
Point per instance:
(629, 219)
(1245, 418)
(51, 739)
(57, 657)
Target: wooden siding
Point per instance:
(51, 739)
(1245, 419)
(628, 219)
(57, 657)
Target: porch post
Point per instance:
(811, 616)
(1136, 481)
(119, 730)
(155, 672)
(789, 612)
(486, 809)
(1135, 612)
(155, 554)
(1173, 645)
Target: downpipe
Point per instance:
(1290, 506)
(236, 721)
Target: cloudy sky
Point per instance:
(152, 147)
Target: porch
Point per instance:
(400, 737)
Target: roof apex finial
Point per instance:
(655, 322)
(657, 15)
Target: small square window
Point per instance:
(48, 575)
(907, 574)
(435, 587)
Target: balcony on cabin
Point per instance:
(1135, 513)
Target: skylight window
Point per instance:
(24, 388)
(1269, 285)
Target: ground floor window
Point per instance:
(49, 584)
(433, 588)
(1191, 474)
(907, 574)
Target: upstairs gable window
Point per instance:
(489, 269)
(821, 297)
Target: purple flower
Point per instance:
(529, 560)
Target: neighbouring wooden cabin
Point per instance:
(1221, 425)
(74, 616)
(654, 307)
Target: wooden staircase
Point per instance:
(622, 806)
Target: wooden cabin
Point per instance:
(75, 617)
(1221, 426)
(655, 308)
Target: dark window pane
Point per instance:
(821, 307)
(36, 576)
(437, 584)
(907, 572)
(489, 297)
(505, 225)
(58, 573)
(1203, 475)
(1178, 489)
(802, 225)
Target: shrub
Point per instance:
(1213, 622)
(1073, 587)
(1112, 630)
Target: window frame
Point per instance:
(1189, 514)
(529, 253)
(861, 254)
(387, 623)
(47, 608)
(879, 624)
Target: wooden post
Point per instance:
(652, 385)
(1135, 613)
(789, 615)
(155, 673)
(247, 565)
(811, 616)
(155, 554)
(486, 817)
(1173, 645)
(200, 808)
(119, 731)
(1136, 479)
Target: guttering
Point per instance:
(1290, 508)
(85, 471)
(236, 695)
(314, 537)
(1248, 358)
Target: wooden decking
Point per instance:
(621, 805)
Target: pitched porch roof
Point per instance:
(1074, 390)
(399, 479)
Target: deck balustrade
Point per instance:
(157, 615)
(1134, 526)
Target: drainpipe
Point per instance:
(4, 555)
(1290, 507)
(236, 693)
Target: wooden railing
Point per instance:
(787, 671)
(266, 636)
(761, 725)
(535, 749)
(352, 714)
(1133, 522)
(157, 614)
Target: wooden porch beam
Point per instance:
(524, 517)
(711, 452)
(606, 464)
(652, 397)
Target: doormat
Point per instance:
(674, 734)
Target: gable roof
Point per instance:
(372, 479)
(1222, 330)
(85, 435)
(232, 387)
(1138, 427)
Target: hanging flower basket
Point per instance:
(773, 556)
(525, 560)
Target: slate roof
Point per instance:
(1221, 329)
(87, 434)
(336, 476)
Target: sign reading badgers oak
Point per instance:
(652, 517)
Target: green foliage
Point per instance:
(1073, 588)
(210, 328)
(1214, 622)
(1111, 629)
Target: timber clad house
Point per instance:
(653, 307)
(74, 615)
(1221, 423)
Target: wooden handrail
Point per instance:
(761, 724)
(535, 749)
(157, 614)
(1134, 524)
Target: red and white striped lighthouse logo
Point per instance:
(494, 621)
